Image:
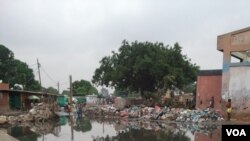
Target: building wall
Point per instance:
(4, 101)
(4, 97)
(239, 88)
(91, 99)
(4, 86)
(208, 86)
(234, 80)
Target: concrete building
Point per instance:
(235, 47)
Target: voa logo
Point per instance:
(236, 132)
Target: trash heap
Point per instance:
(156, 113)
(37, 113)
(107, 111)
(199, 115)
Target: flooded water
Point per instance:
(113, 130)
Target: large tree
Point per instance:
(6, 62)
(14, 71)
(145, 66)
(83, 87)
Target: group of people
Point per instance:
(228, 107)
(75, 108)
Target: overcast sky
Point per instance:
(71, 36)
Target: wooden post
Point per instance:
(71, 116)
(70, 91)
(58, 87)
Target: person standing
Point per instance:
(211, 103)
(229, 109)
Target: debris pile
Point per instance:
(3, 119)
(37, 113)
(199, 115)
(156, 113)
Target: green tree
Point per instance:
(24, 75)
(121, 93)
(14, 71)
(83, 87)
(145, 66)
(6, 63)
(65, 92)
(52, 90)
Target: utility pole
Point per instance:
(70, 90)
(40, 81)
(71, 108)
(58, 87)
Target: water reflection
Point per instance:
(23, 133)
(82, 125)
(77, 129)
(146, 135)
(212, 136)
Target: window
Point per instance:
(238, 57)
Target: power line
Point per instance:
(48, 75)
(64, 83)
(50, 78)
(32, 65)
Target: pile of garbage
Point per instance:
(156, 113)
(199, 115)
(107, 111)
(37, 113)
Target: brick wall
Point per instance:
(4, 86)
(4, 101)
(208, 85)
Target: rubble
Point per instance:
(199, 115)
(37, 113)
(3, 119)
(156, 113)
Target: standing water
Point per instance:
(85, 129)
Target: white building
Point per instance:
(91, 99)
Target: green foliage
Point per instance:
(6, 55)
(190, 88)
(145, 66)
(83, 87)
(52, 90)
(82, 125)
(14, 71)
(65, 92)
(121, 93)
(6, 64)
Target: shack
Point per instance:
(19, 99)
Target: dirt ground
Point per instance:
(244, 117)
